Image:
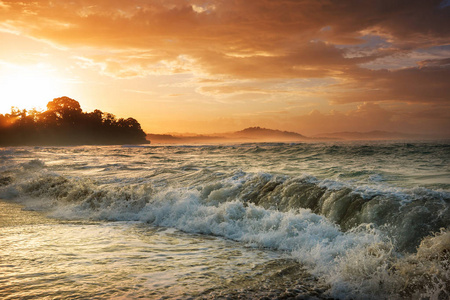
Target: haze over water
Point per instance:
(212, 66)
(361, 220)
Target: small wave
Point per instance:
(360, 263)
(360, 233)
(136, 146)
(5, 180)
(406, 215)
(379, 272)
(33, 164)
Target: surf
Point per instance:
(361, 235)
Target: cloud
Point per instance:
(435, 63)
(242, 47)
(425, 84)
(239, 38)
(365, 117)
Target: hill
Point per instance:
(264, 134)
(259, 134)
(247, 135)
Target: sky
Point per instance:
(309, 66)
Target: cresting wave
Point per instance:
(263, 210)
(356, 240)
(407, 215)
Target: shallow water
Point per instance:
(44, 257)
(340, 220)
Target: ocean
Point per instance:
(331, 220)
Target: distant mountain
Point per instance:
(266, 134)
(250, 135)
(258, 134)
(370, 135)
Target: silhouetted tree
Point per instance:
(64, 104)
(64, 123)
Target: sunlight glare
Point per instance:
(27, 88)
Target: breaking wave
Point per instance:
(364, 241)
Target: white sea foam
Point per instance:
(355, 235)
(360, 263)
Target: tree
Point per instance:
(67, 110)
(64, 123)
(62, 104)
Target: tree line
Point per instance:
(64, 123)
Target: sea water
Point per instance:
(363, 220)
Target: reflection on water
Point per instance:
(42, 257)
(367, 220)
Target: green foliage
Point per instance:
(64, 123)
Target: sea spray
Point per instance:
(406, 221)
(361, 237)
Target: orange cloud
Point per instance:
(366, 117)
(370, 116)
(245, 46)
(231, 33)
(426, 84)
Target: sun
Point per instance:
(28, 87)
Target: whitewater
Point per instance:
(331, 220)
